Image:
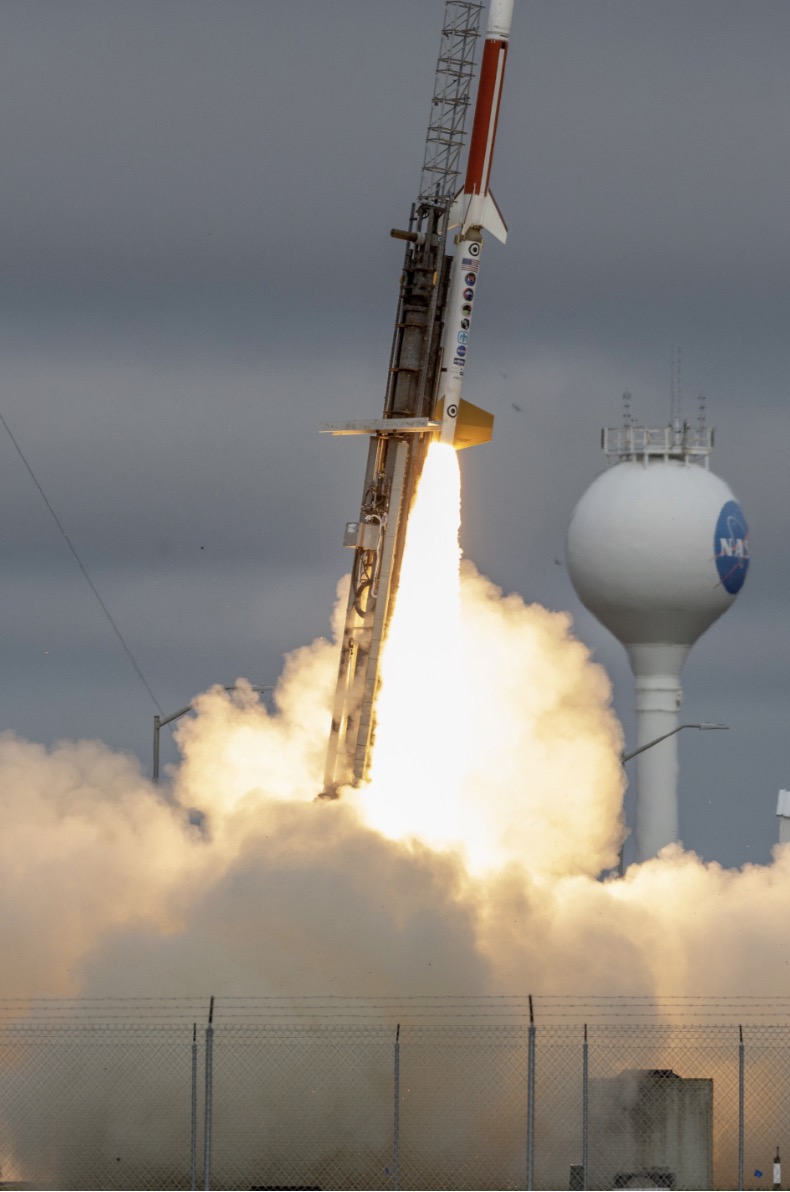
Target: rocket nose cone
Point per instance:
(500, 17)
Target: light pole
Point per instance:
(161, 721)
(626, 757)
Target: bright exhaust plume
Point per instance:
(469, 864)
(422, 709)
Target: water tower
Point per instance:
(657, 550)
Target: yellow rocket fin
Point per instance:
(473, 425)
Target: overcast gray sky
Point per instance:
(196, 272)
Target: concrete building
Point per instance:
(650, 1128)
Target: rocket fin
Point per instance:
(473, 425)
(492, 219)
(481, 211)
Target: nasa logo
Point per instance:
(731, 547)
(460, 350)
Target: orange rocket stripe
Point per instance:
(489, 94)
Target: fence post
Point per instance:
(531, 1100)
(208, 1096)
(396, 1112)
(585, 1112)
(741, 1107)
(193, 1133)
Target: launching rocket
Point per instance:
(438, 291)
(474, 210)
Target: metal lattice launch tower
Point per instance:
(657, 550)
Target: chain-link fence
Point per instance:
(370, 1104)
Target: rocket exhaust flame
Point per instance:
(416, 771)
(435, 776)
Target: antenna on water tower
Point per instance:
(676, 399)
(627, 415)
(657, 550)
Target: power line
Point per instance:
(83, 568)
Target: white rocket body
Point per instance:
(474, 210)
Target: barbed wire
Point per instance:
(544, 1008)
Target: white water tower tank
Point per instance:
(657, 550)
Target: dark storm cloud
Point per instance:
(184, 143)
(195, 272)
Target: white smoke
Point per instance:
(111, 888)
(482, 877)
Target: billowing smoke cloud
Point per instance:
(110, 886)
(115, 888)
(481, 877)
(87, 848)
